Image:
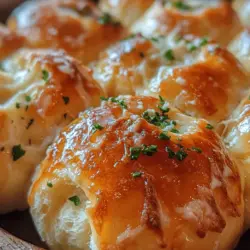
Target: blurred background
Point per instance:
(6, 6)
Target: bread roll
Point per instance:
(40, 92)
(76, 26)
(137, 174)
(127, 11)
(237, 136)
(215, 19)
(194, 74)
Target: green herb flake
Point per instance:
(135, 153)
(18, 105)
(209, 126)
(204, 41)
(27, 98)
(97, 126)
(65, 99)
(163, 136)
(174, 130)
(149, 150)
(120, 102)
(17, 152)
(136, 174)
(49, 184)
(171, 153)
(198, 150)
(31, 121)
(76, 200)
(154, 39)
(104, 98)
(169, 55)
(45, 75)
(107, 19)
(181, 155)
(181, 6)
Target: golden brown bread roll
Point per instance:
(215, 19)
(127, 11)
(237, 136)
(76, 26)
(40, 92)
(197, 76)
(137, 174)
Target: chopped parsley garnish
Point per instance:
(17, 152)
(104, 98)
(107, 19)
(18, 105)
(65, 99)
(169, 55)
(203, 42)
(45, 75)
(163, 106)
(76, 200)
(163, 136)
(136, 174)
(181, 154)
(171, 153)
(27, 98)
(97, 126)
(198, 150)
(209, 126)
(31, 121)
(180, 5)
(135, 153)
(149, 150)
(120, 102)
(192, 47)
(154, 39)
(174, 130)
(49, 184)
(156, 119)
(146, 150)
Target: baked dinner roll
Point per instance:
(40, 92)
(242, 7)
(240, 47)
(215, 19)
(194, 74)
(137, 174)
(76, 26)
(237, 137)
(9, 42)
(127, 11)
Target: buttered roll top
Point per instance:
(194, 74)
(135, 173)
(40, 92)
(214, 19)
(77, 26)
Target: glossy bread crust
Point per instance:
(196, 75)
(214, 19)
(40, 92)
(77, 26)
(95, 191)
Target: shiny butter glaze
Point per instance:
(215, 19)
(34, 122)
(195, 203)
(71, 25)
(207, 82)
